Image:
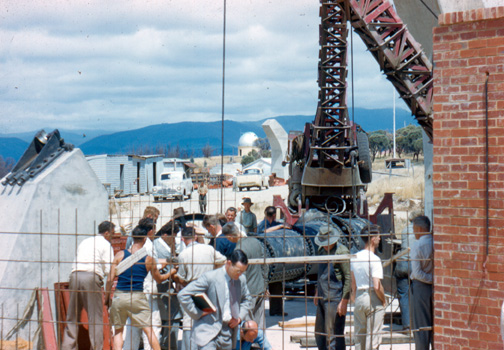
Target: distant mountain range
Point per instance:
(190, 136)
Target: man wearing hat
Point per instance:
(333, 291)
(247, 218)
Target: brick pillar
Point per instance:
(467, 302)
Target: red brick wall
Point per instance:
(467, 46)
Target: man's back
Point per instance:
(365, 267)
(255, 273)
(421, 259)
(196, 259)
(94, 254)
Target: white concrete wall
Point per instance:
(464, 5)
(278, 140)
(42, 223)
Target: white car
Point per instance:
(251, 177)
(173, 185)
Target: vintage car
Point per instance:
(251, 177)
(173, 185)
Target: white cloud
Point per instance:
(127, 64)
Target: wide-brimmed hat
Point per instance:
(326, 236)
(247, 200)
(178, 212)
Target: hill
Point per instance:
(75, 137)
(191, 137)
(12, 147)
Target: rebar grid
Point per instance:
(130, 211)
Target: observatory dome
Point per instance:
(247, 139)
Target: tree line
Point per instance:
(264, 151)
(408, 141)
(169, 151)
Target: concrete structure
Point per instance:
(468, 228)
(42, 223)
(278, 139)
(127, 175)
(246, 143)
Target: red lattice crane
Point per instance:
(330, 163)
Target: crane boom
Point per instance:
(330, 163)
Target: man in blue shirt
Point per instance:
(422, 267)
(269, 224)
(248, 334)
(221, 244)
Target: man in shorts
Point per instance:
(132, 266)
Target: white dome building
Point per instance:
(247, 143)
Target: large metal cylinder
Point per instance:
(348, 228)
(286, 243)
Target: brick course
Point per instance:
(467, 300)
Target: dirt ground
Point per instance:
(125, 211)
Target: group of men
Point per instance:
(360, 278)
(153, 271)
(159, 273)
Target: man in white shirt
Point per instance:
(91, 266)
(231, 217)
(194, 261)
(421, 282)
(369, 309)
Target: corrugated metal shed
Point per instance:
(126, 175)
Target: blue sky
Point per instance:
(121, 65)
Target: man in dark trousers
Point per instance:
(169, 308)
(421, 286)
(227, 289)
(256, 274)
(333, 292)
(268, 225)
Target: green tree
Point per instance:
(407, 140)
(378, 142)
(264, 147)
(250, 157)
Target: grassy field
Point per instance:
(406, 184)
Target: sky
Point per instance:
(120, 65)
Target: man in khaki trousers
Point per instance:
(369, 310)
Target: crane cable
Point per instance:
(221, 178)
(428, 8)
